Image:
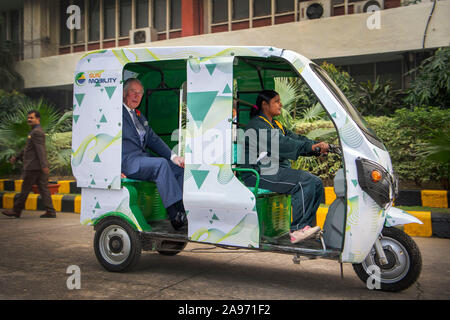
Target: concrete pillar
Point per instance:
(39, 28)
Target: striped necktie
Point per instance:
(139, 127)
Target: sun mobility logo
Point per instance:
(92, 77)
(80, 79)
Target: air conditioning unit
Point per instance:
(143, 35)
(315, 9)
(369, 6)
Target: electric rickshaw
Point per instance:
(190, 94)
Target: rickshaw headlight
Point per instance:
(374, 180)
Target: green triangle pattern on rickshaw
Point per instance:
(227, 89)
(199, 176)
(199, 103)
(110, 91)
(211, 68)
(79, 97)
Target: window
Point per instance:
(3, 36)
(64, 33)
(175, 14)
(94, 20)
(250, 13)
(160, 8)
(159, 14)
(352, 111)
(79, 33)
(109, 19)
(220, 11)
(284, 6)
(125, 17)
(240, 10)
(141, 13)
(262, 8)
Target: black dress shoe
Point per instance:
(48, 215)
(10, 213)
(179, 220)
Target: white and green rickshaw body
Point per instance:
(193, 88)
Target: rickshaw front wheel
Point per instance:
(404, 263)
(117, 245)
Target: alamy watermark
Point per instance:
(74, 280)
(373, 22)
(74, 20)
(374, 279)
(255, 147)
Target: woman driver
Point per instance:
(306, 189)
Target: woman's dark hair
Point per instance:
(264, 95)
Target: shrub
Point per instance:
(9, 101)
(406, 135)
(432, 83)
(409, 138)
(377, 98)
(14, 131)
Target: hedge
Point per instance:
(404, 135)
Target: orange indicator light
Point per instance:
(376, 175)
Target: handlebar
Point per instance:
(332, 149)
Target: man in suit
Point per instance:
(166, 171)
(35, 169)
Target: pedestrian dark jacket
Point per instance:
(291, 145)
(34, 155)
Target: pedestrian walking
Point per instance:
(35, 169)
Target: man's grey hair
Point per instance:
(128, 82)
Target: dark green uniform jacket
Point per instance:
(291, 145)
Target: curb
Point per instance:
(435, 224)
(65, 186)
(61, 202)
(421, 198)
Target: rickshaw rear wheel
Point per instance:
(404, 262)
(117, 245)
(171, 248)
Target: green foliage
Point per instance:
(438, 148)
(432, 84)
(10, 100)
(14, 131)
(406, 136)
(417, 141)
(377, 98)
(9, 79)
(59, 150)
(344, 81)
(323, 167)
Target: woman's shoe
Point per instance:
(303, 234)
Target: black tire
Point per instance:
(404, 261)
(174, 247)
(117, 245)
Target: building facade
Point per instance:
(49, 36)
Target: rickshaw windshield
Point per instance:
(351, 110)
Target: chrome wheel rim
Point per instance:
(398, 261)
(115, 244)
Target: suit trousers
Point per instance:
(167, 176)
(306, 192)
(31, 177)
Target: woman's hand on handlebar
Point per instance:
(321, 147)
